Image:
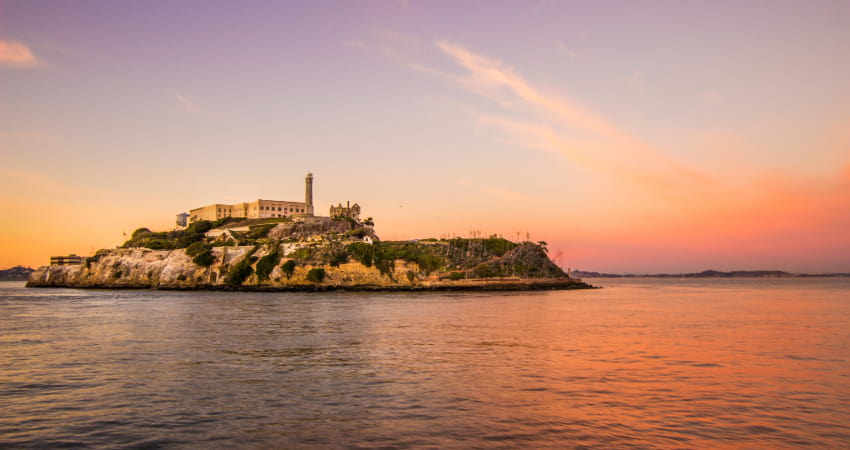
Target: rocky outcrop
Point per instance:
(313, 266)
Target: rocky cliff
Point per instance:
(288, 257)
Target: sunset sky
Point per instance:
(633, 136)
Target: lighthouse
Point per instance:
(308, 195)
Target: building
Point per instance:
(349, 211)
(258, 209)
(182, 219)
(70, 260)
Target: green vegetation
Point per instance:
(454, 276)
(427, 257)
(316, 275)
(201, 253)
(359, 232)
(288, 268)
(267, 263)
(302, 254)
(169, 240)
(204, 259)
(259, 231)
(362, 252)
(411, 276)
(242, 270)
(338, 257)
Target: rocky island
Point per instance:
(307, 254)
(275, 245)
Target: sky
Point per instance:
(631, 136)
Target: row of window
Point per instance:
(285, 210)
(272, 208)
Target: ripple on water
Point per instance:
(632, 366)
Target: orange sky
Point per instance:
(642, 140)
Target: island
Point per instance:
(307, 254)
(276, 245)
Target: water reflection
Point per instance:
(657, 363)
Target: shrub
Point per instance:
(302, 254)
(266, 265)
(201, 226)
(338, 258)
(201, 253)
(188, 239)
(242, 270)
(316, 275)
(204, 259)
(454, 276)
(140, 232)
(411, 276)
(498, 246)
(362, 252)
(181, 277)
(358, 233)
(157, 244)
(288, 268)
(260, 231)
(197, 247)
(485, 270)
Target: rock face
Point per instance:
(329, 265)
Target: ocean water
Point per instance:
(642, 363)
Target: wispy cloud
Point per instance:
(557, 124)
(16, 54)
(188, 105)
(391, 44)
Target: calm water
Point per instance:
(643, 363)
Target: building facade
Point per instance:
(69, 260)
(258, 209)
(349, 210)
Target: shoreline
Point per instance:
(472, 286)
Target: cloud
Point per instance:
(391, 44)
(189, 106)
(16, 54)
(555, 123)
(660, 206)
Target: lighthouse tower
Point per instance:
(309, 193)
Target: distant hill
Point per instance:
(709, 274)
(17, 273)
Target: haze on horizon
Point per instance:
(634, 137)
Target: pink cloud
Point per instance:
(16, 54)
